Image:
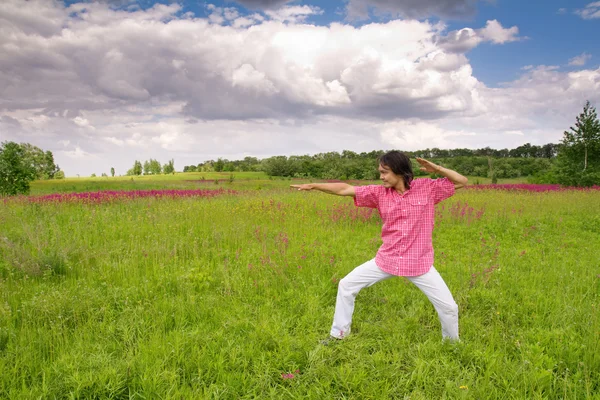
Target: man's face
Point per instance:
(388, 177)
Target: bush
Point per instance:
(548, 177)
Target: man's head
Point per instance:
(393, 166)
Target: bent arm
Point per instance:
(339, 189)
(454, 177)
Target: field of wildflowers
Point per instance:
(174, 289)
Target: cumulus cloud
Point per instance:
(463, 40)
(580, 60)
(217, 68)
(495, 33)
(115, 141)
(82, 122)
(359, 9)
(590, 11)
(418, 9)
(262, 4)
(77, 153)
(415, 135)
(293, 14)
(219, 15)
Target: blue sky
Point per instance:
(553, 37)
(101, 84)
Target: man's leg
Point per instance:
(362, 276)
(434, 287)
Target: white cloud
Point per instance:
(136, 140)
(495, 33)
(107, 59)
(115, 141)
(262, 4)
(230, 13)
(580, 60)
(293, 14)
(590, 11)
(414, 135)
(359, 9)
(77, 153)
(82, 122)
(248, 77)
(463, 40)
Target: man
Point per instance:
(406, 206)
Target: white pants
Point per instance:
(367, 274)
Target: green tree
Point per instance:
(585, 134)
(42, 162)
(219, 165)
(136, 169)
(169, 168)
(579, 152)
(155, 167)
(112, 171)
(278, 166)
(49, 167)
(16, 172)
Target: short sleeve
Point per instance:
(366, 196)
(441, 189)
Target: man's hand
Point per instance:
(306, 186)
(428, 166)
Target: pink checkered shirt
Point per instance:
(408, 220)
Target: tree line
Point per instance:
(575, 161)
(354, 165)
(152, 167)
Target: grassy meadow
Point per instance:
(227, 297)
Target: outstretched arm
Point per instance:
(339, 189)
(456, 178)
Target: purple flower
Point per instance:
(112, 195)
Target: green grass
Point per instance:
(217, 298)
(185, 180)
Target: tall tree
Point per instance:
(137, 167)
(112, 171)
(585, 134)
(16, 172)
(578, 160)
(169, 168)
(154, 167)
